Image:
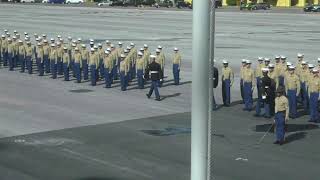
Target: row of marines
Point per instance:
(107, 63)
(301, 83)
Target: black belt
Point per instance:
(281, 112)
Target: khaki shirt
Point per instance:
(101, 53)
(16, 47)
(163, 57)
(284, 69)
(78, 58)
(119, 51)
(127, 60)
(146, 54)
(314, 84)
(46, 50)
(248, 75)
(273, 75)
(176, 59)
(292, 82)
(282, 104)
(60, 52)
(66, 58)
(259, 70)
(124, 67)
(278, 68)
(22, 50)
(85, 54)
(140, 64)
(53, 55)
(93, 60)
(10, 48)
(160, 59)
(227, 73)
(40, 54)
(114, 56)
(298, 68)
(242, 68)
(304, 75)
(4, 45)
(29, 51)
(108, 62)
(134, 54)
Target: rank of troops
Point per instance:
(280, 87)
(94, 63)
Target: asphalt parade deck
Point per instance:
(158, 148)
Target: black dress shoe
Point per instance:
(281, 143)
(148, 96)
(276, 142)
(158, 99)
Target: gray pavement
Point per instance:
(127, 151)
(31, 104)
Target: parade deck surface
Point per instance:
(158, 148)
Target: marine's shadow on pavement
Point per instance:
(98, 178)
(163, 97)
(289, 127)
(295, 137)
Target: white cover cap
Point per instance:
(310, 65)
(292, 67)
(271, 65)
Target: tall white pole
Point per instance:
(200, 90)
(211, 92)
